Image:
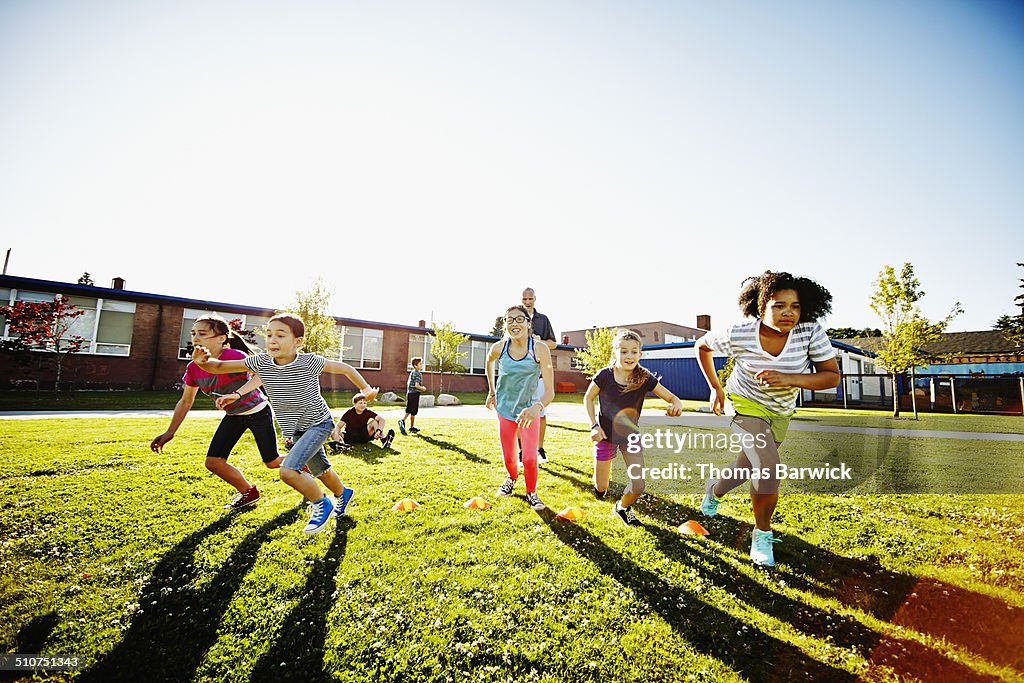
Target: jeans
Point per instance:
(309, 449)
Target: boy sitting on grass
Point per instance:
(361, 425)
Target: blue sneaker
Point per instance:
(342, 505)
(320, 515)
(761, 551)
(709, 506)
(401, 427)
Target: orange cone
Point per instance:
(693, 528)
(405, 505)
(476, 503)
(572, 513)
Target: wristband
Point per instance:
(594, 426)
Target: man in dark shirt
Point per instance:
(543, 332)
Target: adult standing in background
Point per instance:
(542, 331)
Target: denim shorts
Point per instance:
(309, 449)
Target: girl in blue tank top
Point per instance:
(520, 363)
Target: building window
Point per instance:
(673, 339)
(476, 357)
(253, 324)
(106, 324)
(362, 347)
(420, 345)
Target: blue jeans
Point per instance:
(309, 449)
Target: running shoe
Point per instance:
(627, 515)
(243, 500)
(709, 506)
(320, 515)
(386, 441)
(342, 505)
(535, 502)
(761, 551)
(506, 488)
(401, 427)
(542, 457)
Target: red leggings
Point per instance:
(528, 440)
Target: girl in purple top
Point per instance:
(251, 412)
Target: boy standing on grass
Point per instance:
(412, 396)
(359, 424)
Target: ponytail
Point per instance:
(221, 326)
(640, 374)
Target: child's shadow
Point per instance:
(176, 623)
(297, 652)
(449, 446)
(755, 654)
(368, 452)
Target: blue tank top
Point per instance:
(517, 381)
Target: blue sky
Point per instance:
(630, 161)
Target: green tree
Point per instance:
(905, 331)
(499, 327)
(86, 279)
(850, 332)
(444, 352)
(1012, 326)
(321, 328)
(597, 353)
(726, 370)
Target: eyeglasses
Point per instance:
(517, 319)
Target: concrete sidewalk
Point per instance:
(557, 412)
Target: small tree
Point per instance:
(905, 332)
(86, 279)
(499, 327)
(597, 354)
(1012, 326)
(850, 333)
(321, 328)
(45, 326)
(248, 335)
(444, 352)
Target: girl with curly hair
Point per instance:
(772, 355)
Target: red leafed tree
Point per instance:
(45, 326)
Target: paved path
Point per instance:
(559, 412)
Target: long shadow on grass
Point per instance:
(979, 623)
(756, 655)
(449, 446)
(555, 425)
(369, 453)
(297, 652)
(176, 623)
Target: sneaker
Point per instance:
(386, 441)
(414, 430)
(320, 515)
(542, 457)
(520, 461)
(761, 551)
(627, 515)
(342, 505)
(506, 488)
(401, 427)
(243, 500)
(535, 502)
(338, 447)
(600, 494)
(709, 506)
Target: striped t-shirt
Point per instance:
(293, 389)
(807, 343)
(415, 379)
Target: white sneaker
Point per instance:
(506, 488)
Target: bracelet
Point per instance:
(594, 426)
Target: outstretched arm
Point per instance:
(825, 376)
(224, 400)
(202, 358)
(675, 407)
(339, 368)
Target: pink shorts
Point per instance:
(605, 450)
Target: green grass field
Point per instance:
(126, 559)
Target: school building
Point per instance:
(140, 340)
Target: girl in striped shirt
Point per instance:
(772, 355)
(291, 380)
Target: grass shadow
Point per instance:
(756, 655)
(449, 446)
(297, 652)
(177, 623)
(367, 452)
(555, 425)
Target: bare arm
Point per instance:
(825, 377)
(339, 368)
(224, 400)
(675, 407)
(492, 356)
(589, 400)
(705, 360)
(528, 415)
(202, 358)
(188, 397)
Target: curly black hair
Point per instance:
(815, 300)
